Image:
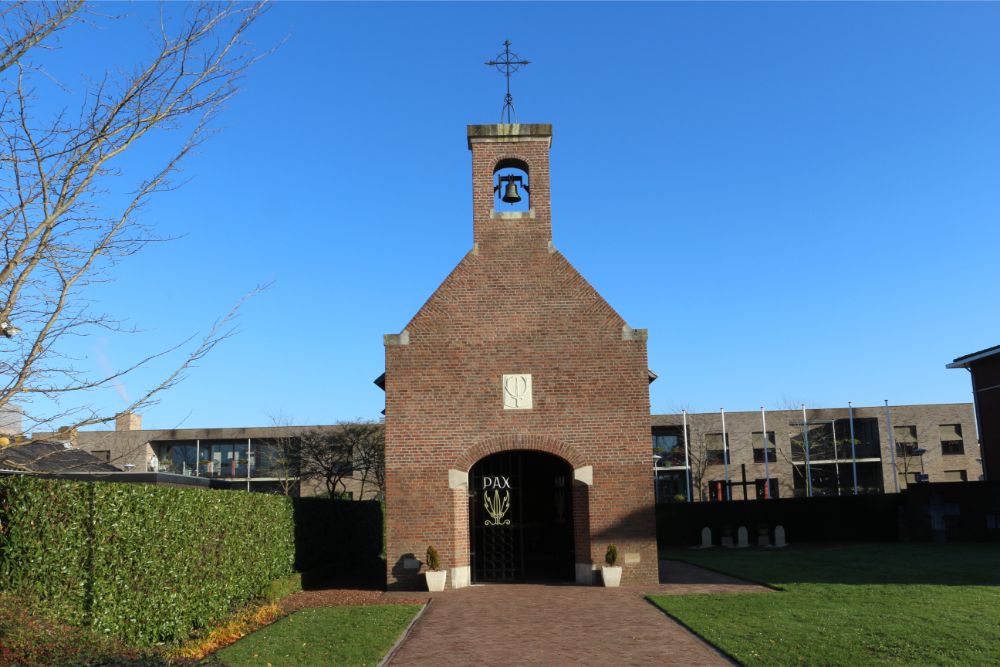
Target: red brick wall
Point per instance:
(514, 305)
(986, 384)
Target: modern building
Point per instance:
(984, 367)
(812, 454)
(248, 458)
(517, 401)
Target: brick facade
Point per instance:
(984, 367)
(939, 463)
(515, 305)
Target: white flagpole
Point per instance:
(687, 464)
(767, 456)
(725, 454)
(892, 446)
(805, 442)
(854, 456)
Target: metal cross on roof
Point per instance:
(507, 62)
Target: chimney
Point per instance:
(127, 421)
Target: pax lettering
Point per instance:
(498, 482)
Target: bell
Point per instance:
(510, 194)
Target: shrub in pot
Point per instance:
(611, 573)
(435, 576)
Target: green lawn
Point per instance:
(345, 636)
(894, 604)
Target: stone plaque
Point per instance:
(516, 392)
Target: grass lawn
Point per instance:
(346, 636)
(900, 604)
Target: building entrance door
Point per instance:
(521, 518)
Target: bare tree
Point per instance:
(60, 171)
(369, 456)
(327, 457)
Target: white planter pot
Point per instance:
(612, 576)
(436, 579)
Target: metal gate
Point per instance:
(521, 518)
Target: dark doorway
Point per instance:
(521, 518)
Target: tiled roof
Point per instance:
(48, 456)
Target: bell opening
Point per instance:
(511, 188)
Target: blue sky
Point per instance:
(799, 201)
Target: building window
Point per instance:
(103, 454)
(716, 453)
(955, 476)
(668, 444)
(906, 439)
(758, 447)
(866, 442)
(951, 439)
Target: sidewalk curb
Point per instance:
(387, 658)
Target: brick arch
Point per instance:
(504, 157)
(506, 443)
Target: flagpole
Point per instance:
(767, 455)
(854, 457)
(687, 464)
(892, 446)
(725, 454)
(805, 442)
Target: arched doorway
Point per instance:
(521, 518)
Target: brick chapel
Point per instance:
(517, 413)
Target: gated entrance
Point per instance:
(521, 518)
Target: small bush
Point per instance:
(611, 555)
(433, 560)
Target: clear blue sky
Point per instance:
(799, 201)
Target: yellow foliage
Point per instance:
(239, 626)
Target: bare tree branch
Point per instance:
(58, 173)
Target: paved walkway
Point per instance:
(521, 624)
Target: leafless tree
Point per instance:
(369, 456)
(326, 457)
(62, 172)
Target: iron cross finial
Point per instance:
(507, 62)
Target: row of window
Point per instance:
(952, 443)
(827, 441)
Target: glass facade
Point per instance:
(222, 459)
(831, 440)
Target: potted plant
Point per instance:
(611, 573)
(434, 574)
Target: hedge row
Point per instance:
(144, 563)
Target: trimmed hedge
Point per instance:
(144, 563)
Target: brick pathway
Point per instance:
(679, 578)
(517, 624)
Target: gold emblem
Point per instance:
(497, 508)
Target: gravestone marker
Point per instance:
(706, 538)
(741, 538)
(779, 537)
(763, 537)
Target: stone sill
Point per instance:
(513, 215)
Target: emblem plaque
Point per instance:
(517, 392)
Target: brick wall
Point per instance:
(516, 305)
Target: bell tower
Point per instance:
(501, 153)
